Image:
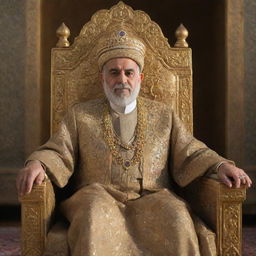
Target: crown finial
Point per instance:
(63, 33)
(181, 34)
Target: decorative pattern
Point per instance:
(230, 195)
(36, 211)
(32, 242)
(75, 74)
(32, 222)
(185, 102)
(231, 229)
(231, 220)
(220, 207)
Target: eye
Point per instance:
(114, 72)
(129, 73)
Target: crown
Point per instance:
(120, 44)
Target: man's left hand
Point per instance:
(233, 176)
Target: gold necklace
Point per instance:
(113, 141)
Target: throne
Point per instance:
(168, 79)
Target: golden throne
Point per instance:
(168, 78)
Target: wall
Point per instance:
(19, 89)
(250, 102)
(223, 104)
(13, 41)
(250, 82)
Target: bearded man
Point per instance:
(124, 151)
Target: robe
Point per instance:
(128, 212)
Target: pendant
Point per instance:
(127, 164)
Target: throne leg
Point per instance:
(230, 221)
(221, 209)
(36, 212)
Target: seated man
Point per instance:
(124, 150)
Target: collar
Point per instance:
(124, 110)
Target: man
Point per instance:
(123, 151)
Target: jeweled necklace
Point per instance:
(114, 141)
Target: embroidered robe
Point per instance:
(134, 212)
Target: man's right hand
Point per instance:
(32, 173)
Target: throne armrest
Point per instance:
(221, 208)
(36, 215)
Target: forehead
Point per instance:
(121, 63)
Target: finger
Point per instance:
(23, 185)
(243, 180)
(39, 179)
(22, 181)
(237, 181)
(226, 180)
(20, 186)
(248, 181)
(29, 183)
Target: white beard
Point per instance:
(121, 100)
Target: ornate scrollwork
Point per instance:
(160, 83)
(32, 229)
(231, 229)
(36, 194)
(185, 102)
(237, 195)
(75, 70)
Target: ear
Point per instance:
(141, 76)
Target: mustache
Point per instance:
(122, 86)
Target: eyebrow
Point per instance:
(117, 69)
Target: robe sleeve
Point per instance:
(59, 154)
(190, 158)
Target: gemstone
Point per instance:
(122, 33)
(127, 163)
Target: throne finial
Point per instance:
(63, 33)
(181, 34)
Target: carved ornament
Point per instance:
(231, 229)
(168, 71)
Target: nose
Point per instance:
(122, 78)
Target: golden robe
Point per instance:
(116, 212)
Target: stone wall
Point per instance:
(12, 82)
(250, 99)
(20, 105)
(250, 81)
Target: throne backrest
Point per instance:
(75, 73)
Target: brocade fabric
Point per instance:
(116, 212)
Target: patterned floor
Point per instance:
(10, 241)
(249, 241)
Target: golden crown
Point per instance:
(120, 44)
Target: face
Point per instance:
(121, 80)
